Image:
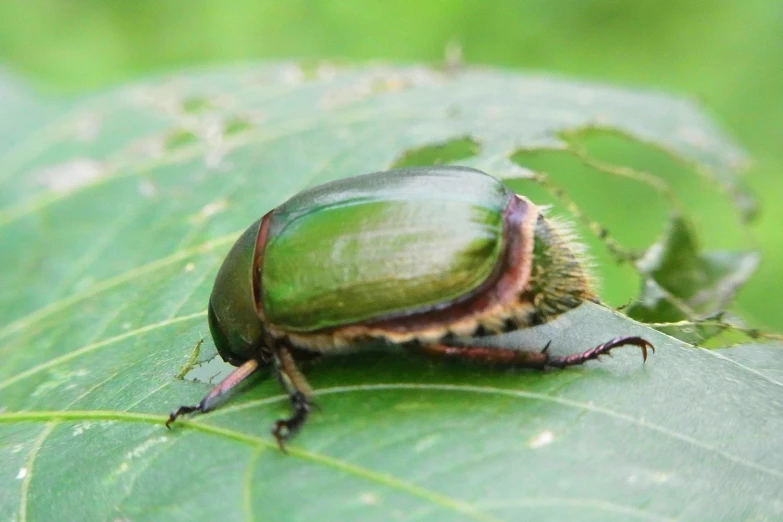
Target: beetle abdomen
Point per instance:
(342, 254)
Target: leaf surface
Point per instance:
(115, 214)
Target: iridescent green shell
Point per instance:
(381, 246)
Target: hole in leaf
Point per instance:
(444, 153)
(633, 212)
(309, 69)
(704, 201)
(196, 104)
(179, 138)
(236, 126)
(650, 201)
(210, 371)
(685, 282)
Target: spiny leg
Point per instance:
(299, 392)
(213, 397)
(601, 349)
(537, 360)
(483, 354)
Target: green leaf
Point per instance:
(115, 215)
(682, 283)
(706, 281)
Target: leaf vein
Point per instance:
(94, 346)
(114, 281)
(247, 483)
(384, 479)
(29, 464)
(518, 394)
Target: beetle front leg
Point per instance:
(214, 396)
(537, 360)
(299, 392)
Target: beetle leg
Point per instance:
(500, 356)
(601, 349)
(214, 396)
(299, 392)
(538, 360)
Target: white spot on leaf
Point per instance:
(142, 448)
(72, 175)
(57, 378)
(369, 498)
(86, 127)
(148, 147)
(165, 99)
(693, 136)
(213, 208)
(83, 284)
(137, 452)
(426, 443)
(292, 75)
(544, 438)
(647, 477)
(81, 428)
(326, 71)
(659, 477)
(147, 188)
(210, 129)
(22, 473)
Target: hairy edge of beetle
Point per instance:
(540, 276)
(561, 276)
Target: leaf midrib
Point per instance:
(257, 443)
(44, 415)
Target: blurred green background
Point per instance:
(729, 54)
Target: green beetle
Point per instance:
(418, 257)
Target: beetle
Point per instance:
(416, 257)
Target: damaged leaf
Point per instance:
(105, 287)
(681, 282)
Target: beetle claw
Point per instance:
(282, 432)
(182, 410)
(601, 349)
(546, 348)
(285, 429)
(635, 341)
(644, 346)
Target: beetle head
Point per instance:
(233, 321)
